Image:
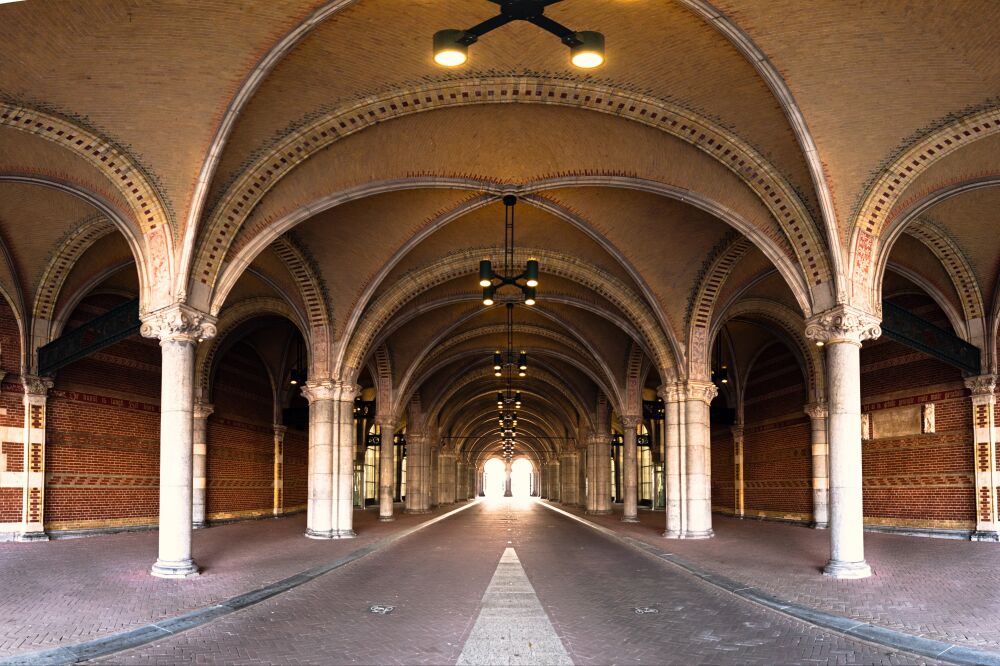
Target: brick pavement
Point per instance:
(72, 590)
(587, 583)
(944, 589)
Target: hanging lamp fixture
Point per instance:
(451, 47)
(491, 281)
(505, 364)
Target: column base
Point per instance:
(508, 494)
(319, 534)
(630, 519)
(706, 534)
(819, 526)
(199, 525)
(343, 534)
(386, 519)
(174, 569)
(847, 570)
(669, 534)
(32, 536)
(599, 512)
(984, 535)
(417, 511)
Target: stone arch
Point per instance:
(664, 349)
(791, 330)
(731, 151)
(872, 221)
(443, 341)
(561, 409)
(954, 262)
(150, 219)
(703, 304)
(235, 315)
(635, 367)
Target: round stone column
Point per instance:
(387, 471)
(697, 459)
(506, 479)
(342, 511)
(630, 470)
(199, 464)
(179, 328)
(672, 431)
(322, 395)
(842, 331)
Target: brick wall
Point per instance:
(102, 433)
(11, 414)
(723, 490)
(240, 458)
(296, 468)
(777, 463)
(918, 480)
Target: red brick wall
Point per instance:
(922, 479)
(296, 467)
(777, 461)
(723, 490)
(240, 457)
(102, 433)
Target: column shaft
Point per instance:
(344, 445)
(984, 456)
(322, 415)
(199, 464)
(630, 469)
(818, 415)
(673, 428)
(33, 497)
(279, 469)
(739, 503)
(387, 472)
(697, 452)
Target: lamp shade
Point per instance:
(449, 51)
(588, 52)
(485, 273)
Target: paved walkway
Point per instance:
(944, 589)
(417, 599)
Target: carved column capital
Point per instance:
(178, 323)
(817, 410)
(981, 385)
(202, 410)
(630, 422)
(280, 430)
(700, 390)
(348, 391)
(670, 392)
(737, 431)
(843, 324)
(321, 389)
(37, 386)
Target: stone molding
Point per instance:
(630, 422)
(844, 324)
(178, 323)
(817, 410)
(324, 389)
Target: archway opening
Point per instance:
(494, 478)
(521, 478)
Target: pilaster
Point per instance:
(818, 413)
(279, 468)
(199, 462)
(984, 455)
(739, 489)
(36, 391)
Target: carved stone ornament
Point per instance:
(670, 392)
(817, 410)
(703, 391)
(325, 389)
(843, 324)
(928, 425)
(630, 422)
(981, 384)
(35, 385)
(178, 323)
(202, 410)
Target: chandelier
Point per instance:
(451, 47)
(491, 281)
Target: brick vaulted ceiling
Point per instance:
(312, 152)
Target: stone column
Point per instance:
(461, 482)
(739, 504)
(36, 391)
(984, 456)
(433, 487)
(570, 478)
(842, 331)
(387, 471)
(321, 395)
(673, 464)
(279, 469)
(446, 476)
(818, 414)
(698, 459)
(200, 464)
(555, 486)
(599, 462)
(342, 496)
(630, 469)
(179, 328)
(506, 479)
(416, 473)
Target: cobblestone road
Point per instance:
(589, 585)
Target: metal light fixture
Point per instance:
(451, 47)
(491, 281)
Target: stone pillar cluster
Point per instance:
(630, 469)
(418, 498)
(688, 459)
(569, 477)
(330, 512)
(599, 474)
(387, 470)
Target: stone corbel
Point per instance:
(843, 323)
(36, 386)
(178, 323)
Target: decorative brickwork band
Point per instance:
(36, 391)
(984, 451)
(843, 324)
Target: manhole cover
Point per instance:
(645, 610)
(379, 609)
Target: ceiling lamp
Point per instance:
(451, 47)
(491, 281)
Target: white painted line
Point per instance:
(512, 627)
